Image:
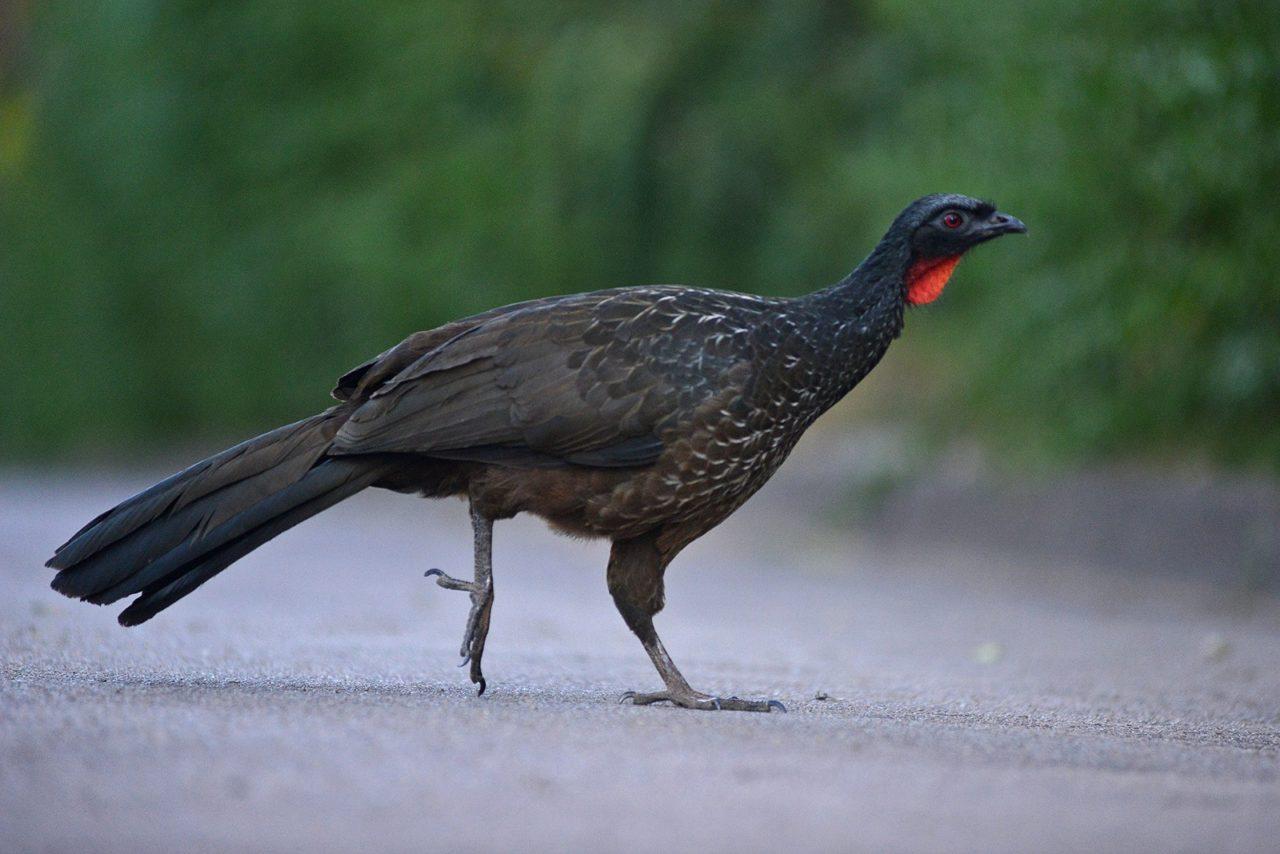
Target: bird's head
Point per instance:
(937, 230)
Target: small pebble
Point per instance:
(1214, 647)
(987, 653)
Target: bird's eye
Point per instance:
(952, 220)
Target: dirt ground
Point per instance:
(941, 698)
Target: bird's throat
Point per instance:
(927, 277)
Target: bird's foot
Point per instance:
(477, 629)
(705, 702)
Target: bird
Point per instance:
(643, 415)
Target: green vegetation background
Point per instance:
(210, 210)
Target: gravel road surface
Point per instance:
(941, 699)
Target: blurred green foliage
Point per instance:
(209, 210)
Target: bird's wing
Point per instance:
(590, 379)
(363, 380)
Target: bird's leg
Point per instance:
(481, 590)
(679, 692)
(635, 581)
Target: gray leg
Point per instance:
(481, 590)
(678, 691)
(635, 581)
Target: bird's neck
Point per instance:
(869, 302)
(843, 331)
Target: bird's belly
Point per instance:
(695, 485)
(687, 487)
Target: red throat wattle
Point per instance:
(927, 277)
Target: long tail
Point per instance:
(166, 541)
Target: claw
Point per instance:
(447, 581)
(696, 700)
(480, 693)
(466, 659)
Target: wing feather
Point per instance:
(587, 380)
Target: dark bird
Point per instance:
(645, 415)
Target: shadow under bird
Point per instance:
(646, 415)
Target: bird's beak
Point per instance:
(1002, 223)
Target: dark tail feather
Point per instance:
(300, 440)
(323, 487)
(171, 538)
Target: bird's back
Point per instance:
(591, 379)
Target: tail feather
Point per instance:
(341, 480)
(158, 547)
(171, 538)
(246, 459)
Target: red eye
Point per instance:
(953, 220)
